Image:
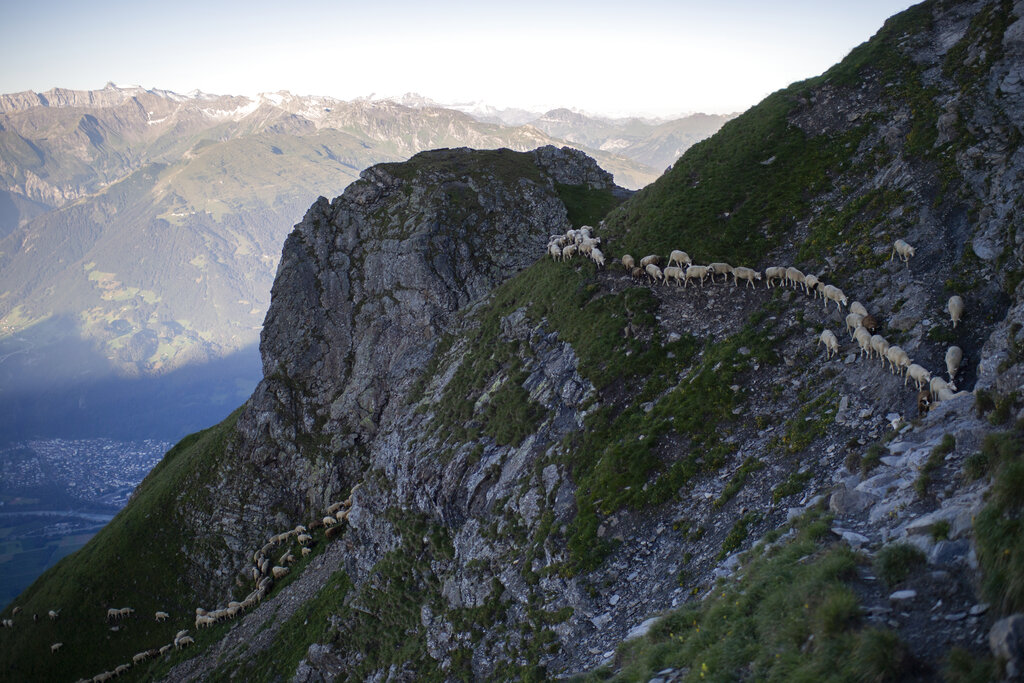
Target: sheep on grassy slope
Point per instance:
(673, 272)
(812, 283)
(698, 272)
(329, 521)
(917, 373)
(53, 614)
(279, 572)
(654, 272)
(744, 273)
(904, 250)
(833, 293)
(597, 257)
(955, 306)
(774, 273)
(184, 642)
(555, 252)
(651, 259)
(796, 277)
(954, 356)
(162, 616)
(56, 646)
(568, 252)
(719, 268)
(627, 262)
(828, 338)
(636, 273)
(679, 258)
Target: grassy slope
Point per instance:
(135, 561)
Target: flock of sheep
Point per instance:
(861, 325)
(264, 573)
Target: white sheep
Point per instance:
(858, 308)
(811, 282)
(698, 272)
(279, 572)
(903, 249)
(936, 385)
(181, 634)
(306, 551)
(330, 521)
(796, 277)
(654, 273)
(955, 308)
(140, 658)
(162, 616)
(774, 273)
(680, 258)
(898, 359)
(627, 262)
(164, 649)
(831, 343)
(744, 273)
(8, 623)
(719, 268)
(53, 614)
(863, 338)
(954, 356)
(555, 252)
(304, 539)
(184, 642)
(122, 669)
(673, 272)
(833, 293)
(597, 257)
(587, 246)
(853, 321)
(919, 374)
(200, 612)
(568, 252)
(56, 646)
(879, 345)
(299, 530)
(649, 260)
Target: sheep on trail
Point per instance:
(879, 346)
(831, 343)
(898, 359)
(627, 262)
(654, 273)
(924, 403)
(162, 616)
(853, 321)
(744, 273)
(636, 273)
(674, 273)
(699, 272)
(774, 273)
(279, 572)
(597, 257)
(651, 259)
(954, 356)
(719, 268)
(330, 521)
(919, 374)
(833, 293)
(869, 323)
(555, 252)
(863, 338)
(184, 642)
(903, 249)
(811, 282)
(796, 277)
(680, 258)
(937, 385)
(955, 308)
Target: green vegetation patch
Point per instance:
(896, 562)
(586, 206)
(791, 615)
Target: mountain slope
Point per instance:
(530, 465)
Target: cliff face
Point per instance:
(542, 456)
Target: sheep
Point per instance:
(879, 346)
(279, 572)
(719, 268)
(811, 282)
(627, 262)
(863, 338)
(597, 257)
(265, 583)
(954, 356)
(140, 657)
(265, 565)
(113, 613)
(180, 634)
(56, 646)
(587, 246)
(255, 574)
(126, 611)
(200, 612)
(654, 273)
(869, 323)
(15, 611)
(184, 642)
(333, 531)
(304, 539)
(699, 272)
(937, 385)
(103, 677)
(831, 343)
(162, 616)
(568, 252)
(555, 252)
(164, 649)
(920, 375)
(674, 273)
(306, 551)
(774, 273)
(796, 277)
(316, 524)
(924, 402)
(898, 359)
(53, 614)
(8, 623)
(651, 259)
(858, 308)
(903, 249)
(299, 530)
(122, 669)
(636, 273)
(955, 308)
(948, 395)
(744, 273)
(853, 321)
(833, 293)
(330, 521)
(680, 258)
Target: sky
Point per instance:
(650, 57)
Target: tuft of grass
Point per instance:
(751, 464)
(896, 562)
(963, 667)
(793, 485)
(872, 458)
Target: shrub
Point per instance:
(894, 563)
(871, 458)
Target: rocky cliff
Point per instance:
(543, 468)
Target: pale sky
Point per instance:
(654, 57)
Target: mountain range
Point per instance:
(139, 229)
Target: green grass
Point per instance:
(895, 563)
(999, 527)
(793, 485)
(586, 206)
(136, 560)
(790, 615)
(935, 460)
(751, 464)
